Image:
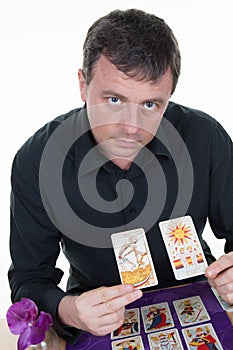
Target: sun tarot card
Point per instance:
(224, 304)
(128, 343)
(201, 336)
(133, 258)
(156, 317)
(169, 339)
(191, 310)
(183, 246)
(130, 326)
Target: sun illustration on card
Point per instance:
(180, 234)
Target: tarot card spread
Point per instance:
(156, 316)
(130, 326)
(183, 246)
(168, 339)
(128, 343)
(191, 310)
(133, 258)
(201, 337)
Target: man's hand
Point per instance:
(220, 276)
(99, 311)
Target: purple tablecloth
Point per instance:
(219, 318)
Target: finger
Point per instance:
(226, 289)
(211, 283)
(104, 294)
(113, 305)
(106, 323)
(113, 318)
(220, 265)
(106, 329)
(224, 279)
(227, 297)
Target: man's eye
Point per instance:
(150, 105)
(114, 100)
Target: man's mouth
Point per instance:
(127, 143)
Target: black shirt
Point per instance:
(64, 191)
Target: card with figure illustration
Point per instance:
(191, 310)
(183, 247)
(224, 304)
(201, 337)
(130, 326)
(128, 343)
(156, 317)
(168, 339)
(133, 258)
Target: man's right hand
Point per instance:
(99, 311)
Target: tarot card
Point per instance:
(201, 336)
(191, 310)
(224, 304)
(128, 343)
(130, 326)
(133, 258)
(156, 317)
(183, 246)
(169, 339)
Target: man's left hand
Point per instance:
(220, 276)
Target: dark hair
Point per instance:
(138, 43)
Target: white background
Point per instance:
(41, 51)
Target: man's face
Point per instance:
(124, 113)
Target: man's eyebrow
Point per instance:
(159, 100)
(116, 94)
(113, 93)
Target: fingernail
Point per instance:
(137, 293)
(128, 287)
(210, 273)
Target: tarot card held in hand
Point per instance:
(156, 316)
(133, 258)
(201, 337)
(168, 339)
(191, 310)
(128, 343)
(130, 326)
(183, 246)
(224, 304)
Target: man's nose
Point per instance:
(130, 119)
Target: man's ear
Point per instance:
(82, 85)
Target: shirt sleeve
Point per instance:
(34, 247)
(221, 186)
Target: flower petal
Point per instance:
(44, 321)
(30, 336)
(20, 314)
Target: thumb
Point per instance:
(218, 266)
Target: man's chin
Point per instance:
(125, 155)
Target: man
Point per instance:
(100, 169)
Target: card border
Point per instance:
(198, 321)
(202, 325)
(168, 250)
(164, 331)
(129, 335)
(169, 313)
(136, 336)
(142, 232)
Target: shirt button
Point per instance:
(132, 210)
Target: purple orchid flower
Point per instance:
(22, 318)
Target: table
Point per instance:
(219, 318)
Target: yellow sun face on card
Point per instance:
(180, 234)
